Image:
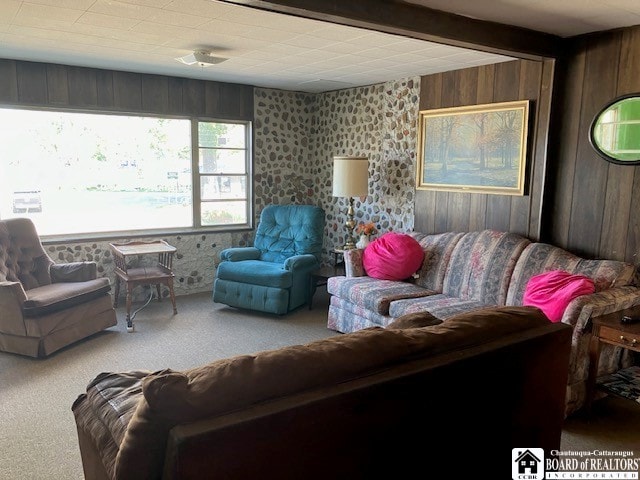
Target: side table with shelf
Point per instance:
(160, 273)
(320, 276)
(610, 330)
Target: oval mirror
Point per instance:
(615, 131)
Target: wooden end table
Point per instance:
(320, 277)
(609, 329)
(161, 273)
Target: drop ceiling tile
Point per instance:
(74, 4)
(379, 63)
(375, 39)
(305, 69)
(8, 9)
(264, 55)
(42, 23)
(165, 30)
(167, 17)
(311, 56)
(375, 53)
(49, 12)
(205, 8)
(309, 41)
(222, 28)
(127, 10)
(284, 49)
(338, 32)
(148, 3)
(267, 34)
(108, 21)
(344, 47)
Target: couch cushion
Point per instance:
(373, 294)
(59, 296)
(346, 317)
(538, 258)
(414, 320)
(172, 398)
(481, 266)
(437, 253)
(441, 306)
(105, 410)
(255, 272)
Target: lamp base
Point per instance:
(350, 225)
(349, 246)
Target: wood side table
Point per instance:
(320, 276)
(161, 273)
(609, 329)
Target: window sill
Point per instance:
(108, 236)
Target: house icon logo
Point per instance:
(527, 464)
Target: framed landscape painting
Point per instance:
(477, 148)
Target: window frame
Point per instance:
(195, 178)
(196, 175)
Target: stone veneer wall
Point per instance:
(193, 263)
(284, 163)
(296, 136)
(379, 122)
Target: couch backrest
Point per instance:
(437, 253)
(22, 258)
(232, 384)
(541, 257)
(481, 266)
(288, 230)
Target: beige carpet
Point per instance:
(37, 430)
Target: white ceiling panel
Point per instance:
(264, 48)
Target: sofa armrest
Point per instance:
(73, 272)
(353, 266)
(12, 297)
(237, 254)
(298, 262)
(581, 309)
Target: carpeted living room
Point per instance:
(473, 250)
(39, 439)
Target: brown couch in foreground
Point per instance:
(370, 404)
(46, 306)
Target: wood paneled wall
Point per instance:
(517, 80)
(43, 84)
(593, 206)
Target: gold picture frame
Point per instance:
(476, 148)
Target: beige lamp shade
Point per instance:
(350, 176)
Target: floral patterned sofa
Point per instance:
(465, 271)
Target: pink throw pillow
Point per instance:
(552, 292)
(393, 256)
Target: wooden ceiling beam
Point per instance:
(407, 19)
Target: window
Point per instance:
(223, 171)
(90, 174)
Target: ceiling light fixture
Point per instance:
(201, 58)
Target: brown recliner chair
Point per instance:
(46, 306)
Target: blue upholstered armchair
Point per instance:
(273, 275)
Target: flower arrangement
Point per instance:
(366, 229)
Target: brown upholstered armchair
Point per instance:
(44, 306)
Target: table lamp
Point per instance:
(350, 179)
